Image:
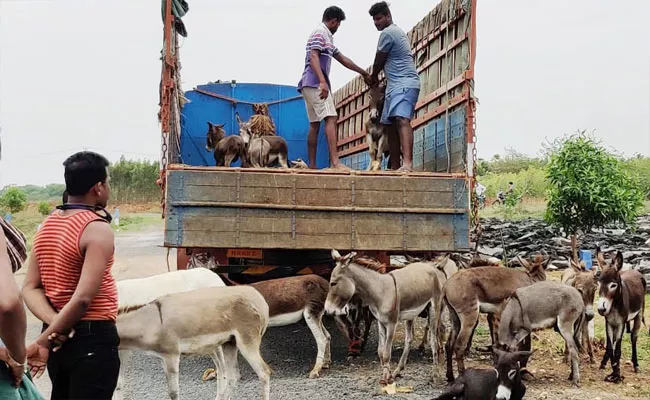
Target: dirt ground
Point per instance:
(290, 351)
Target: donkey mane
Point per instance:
(370, 263)
(131, 308)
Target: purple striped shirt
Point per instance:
(321, 39)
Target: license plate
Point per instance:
(245, 253)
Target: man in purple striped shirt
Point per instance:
(315, 83)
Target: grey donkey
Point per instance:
(543, 305)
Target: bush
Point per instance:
(530, 182)
(589, 188)
(44, 208)
(639, 168)
(13, 199)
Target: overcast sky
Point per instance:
(80, 74)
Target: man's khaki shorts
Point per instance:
(317, 108)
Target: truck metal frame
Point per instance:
(274, 222)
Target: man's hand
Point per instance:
(367, 78)
(58, 339)
(37, 357)
(16, 370)
(324, 90)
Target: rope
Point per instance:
(235, 101)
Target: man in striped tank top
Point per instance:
(70, 288)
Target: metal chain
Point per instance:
(475, 210)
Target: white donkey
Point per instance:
(133, 293)
(210, 321)
(400, 295)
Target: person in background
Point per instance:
(395, 58)
(69, 286)
(315, 85)
(14, 382)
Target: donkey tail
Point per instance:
(578, 327)
(438, 326)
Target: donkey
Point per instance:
(208, 321)
(399, 295)
(620, 300)
(475, 290)
(376, 136)
(227, 149)
(586, 283)
(135, 293)
(543, 305)
(503, 382)
(263, 150)
(296, 298)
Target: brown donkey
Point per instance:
(227, 149)
(480, 290)
(621, 300)
(376, 135)
(586, 283)
(296, 298)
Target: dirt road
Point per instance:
(290, 351)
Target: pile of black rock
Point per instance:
(508, 239)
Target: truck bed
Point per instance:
(215, 207)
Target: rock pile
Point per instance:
(507, 240)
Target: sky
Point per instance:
(84, 74)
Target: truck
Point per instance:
(262, 223)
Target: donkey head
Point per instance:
(376, 97)
(342, 287)
(537, 269)
(244, 129)
(214, 135)
(508, 366)
(586, 283)
(609, 281)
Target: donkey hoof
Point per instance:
(614, 378)
(314, 374)
(326, 365)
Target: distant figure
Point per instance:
(116, 217)
(315, 84)
(511, 188)
(8, 216)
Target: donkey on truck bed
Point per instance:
(544, 305)
(621, 300)
(208, 321)
(400, 295)
(476, 290)
(376, 136)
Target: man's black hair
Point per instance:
(83, 170)
(333, 12)
(380, 8)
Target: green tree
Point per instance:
(44, 208)
(588, 188)
(14, 199)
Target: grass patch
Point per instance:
(527, 208)
(133, 222)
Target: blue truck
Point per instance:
(272, 222)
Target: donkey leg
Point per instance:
(408, 337)
(586, 339)
(231, 368)
(170, 366)
(367, 317)
(633, 337)
(249, 347)
(313, 322)
(566, 330)
(327, 360)
(388, 349)
(451, 343)
(608, 347)
(222, 383)
(372, 152)
(425, 337)
(467, 324)
(615, 356)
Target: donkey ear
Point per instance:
(524, 263)
(618, 261)
(350, 256)
(239, 121)
(210, 125)
(335, 254)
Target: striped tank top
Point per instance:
(59, 258)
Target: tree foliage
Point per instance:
(44, 208)
(588, 187)
(13, 199)
(134, 181)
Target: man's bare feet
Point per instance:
(405, 168)
(340, 167)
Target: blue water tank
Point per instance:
(287, 110)
(585, 255)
